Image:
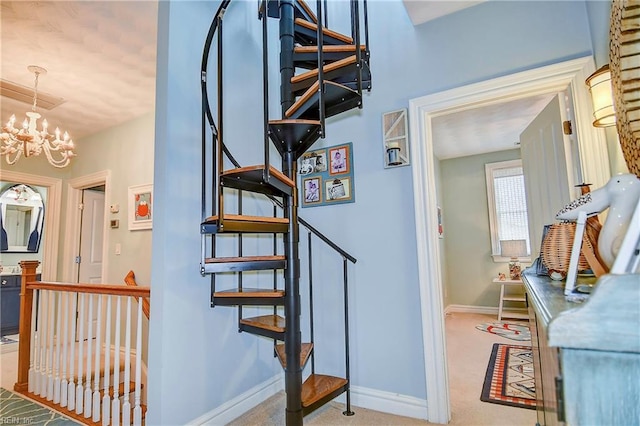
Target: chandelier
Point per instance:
(31, 142)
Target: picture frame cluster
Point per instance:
(327, 176)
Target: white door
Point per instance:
(546, 157)
(91, 239)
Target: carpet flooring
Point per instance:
(15, 409)
(510, 379)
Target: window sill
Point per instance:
(501, 259)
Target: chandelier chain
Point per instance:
(35, 91)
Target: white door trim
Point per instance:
(72, 225)
(595, 169)
(51, 217)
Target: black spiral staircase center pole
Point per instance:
(293, 335)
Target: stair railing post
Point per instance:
(265, 90)
(293, 335)
(220, 141)
(310, 257)
(348, 411)
(320, 37)
(355, 16)
(26, 307)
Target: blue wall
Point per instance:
(197, 359)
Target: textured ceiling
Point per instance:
(100, 57)
(487, 129)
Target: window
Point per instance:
(507, 206)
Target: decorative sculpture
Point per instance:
(621, 196)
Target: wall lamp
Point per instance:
(602, 97)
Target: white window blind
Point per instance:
(507, 203)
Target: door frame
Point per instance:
(595, 169)
(51, 218)
(73, 221)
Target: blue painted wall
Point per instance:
(197, 359)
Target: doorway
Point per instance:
(550, 79)
(96, 238)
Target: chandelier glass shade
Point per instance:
(28, 141)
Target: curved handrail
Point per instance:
(207, 112)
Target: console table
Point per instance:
(586, 355)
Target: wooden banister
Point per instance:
(111, 289)
(26, 305)
(130, 280)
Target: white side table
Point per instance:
(511, 312)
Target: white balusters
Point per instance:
(56, 375)
(106, 400)
(60, 339)
(71, 392)
(87, 389)
(41, 380)
(50, 328)
(115, 410)
(79, 387)
(137, 410)
(33, 351)
(64, 384)
(96, 381)
(126, 405)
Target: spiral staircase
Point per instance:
(322, 73)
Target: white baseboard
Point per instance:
(386, 402)
(242, 403)
(469, 309)
(372, 399)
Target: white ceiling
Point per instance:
(101, 58)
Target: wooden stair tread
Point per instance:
(318, 386)
(331, 48)
(251, 170)
(268, 322)
(305, 353)
(325, 31)
(245, 218)
(337, 99)
(326, 69)
(307, 9)
(249, 292)
(243, 259)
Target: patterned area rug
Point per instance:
(14, 409)
(509, 330)
(509, 379)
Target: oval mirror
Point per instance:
(21, 219)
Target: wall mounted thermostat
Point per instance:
(114, 208)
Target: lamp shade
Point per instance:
(602, 97)
(513, 248)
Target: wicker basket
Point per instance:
(557, 244)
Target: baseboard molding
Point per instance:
(469, 309)
(386, 402)
(242, 403)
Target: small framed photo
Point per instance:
(140, 207)
(312, 188)
(338, 189)
(339, 158)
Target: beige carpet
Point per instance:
(468, 355)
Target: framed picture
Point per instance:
(140, 203)
(313, 162)
(339, 158)
(338, 189)
(312, 189)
